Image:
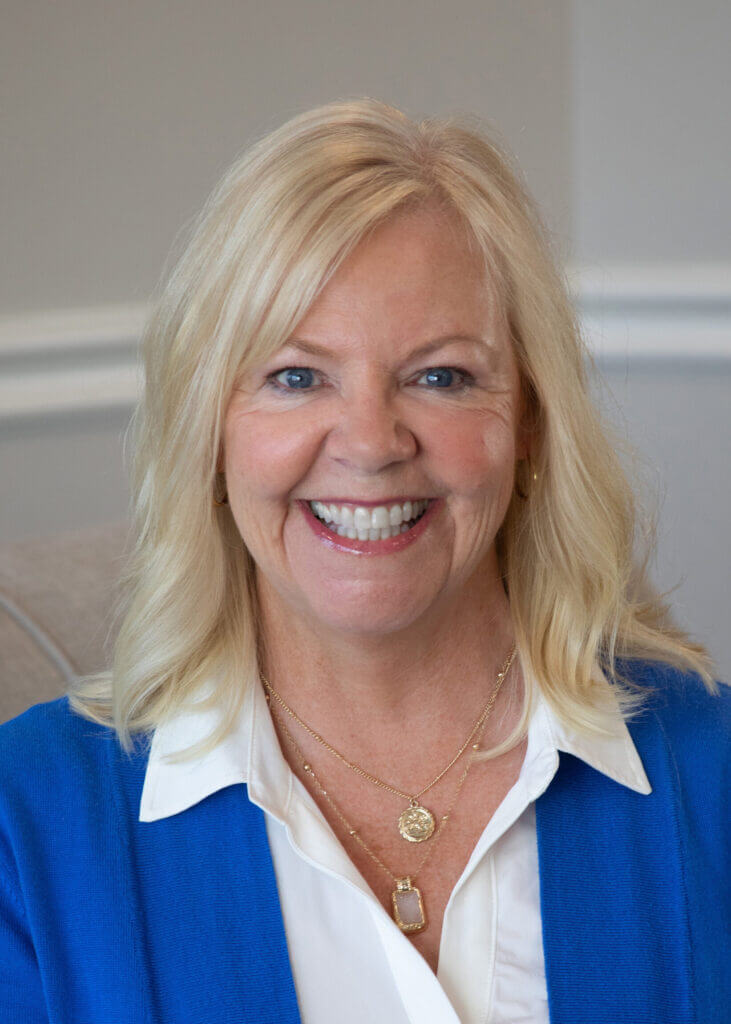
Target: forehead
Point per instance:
(417, 273)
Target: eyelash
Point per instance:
(271, 381)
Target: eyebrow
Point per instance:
(447, 339)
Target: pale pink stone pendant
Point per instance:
(408, 908)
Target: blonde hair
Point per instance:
(275, 229)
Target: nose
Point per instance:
(371, 433)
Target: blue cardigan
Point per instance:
(106, 919)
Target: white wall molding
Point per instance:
(661, 311)
(70, 361)
(652, 282)
(94, 327)
(85, 359)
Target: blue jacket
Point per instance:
(106, 919)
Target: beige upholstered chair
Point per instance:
(56, 601)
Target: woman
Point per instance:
(383, 574)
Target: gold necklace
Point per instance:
(406, 899)
(416, 823)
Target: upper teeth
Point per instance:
(360, 517)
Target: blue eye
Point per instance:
(443, 377)
(303, 378)
(296, 378)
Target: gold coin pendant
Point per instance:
(416, 824)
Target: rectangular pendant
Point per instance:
(408, 908)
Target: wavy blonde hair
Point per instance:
(273, 232)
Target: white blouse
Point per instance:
(349, 959)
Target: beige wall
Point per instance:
(651, 130)
(119, 117)
(63, 475)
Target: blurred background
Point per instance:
(118, 119)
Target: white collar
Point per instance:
(251, 754)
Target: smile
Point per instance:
(363, 523)
(370, 530)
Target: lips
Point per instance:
(390, 545)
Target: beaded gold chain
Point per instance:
(406, 899)
(416, 823)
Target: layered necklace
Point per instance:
(416, 823)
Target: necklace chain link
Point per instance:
(403, 883)
(411, 797)
(354, 832)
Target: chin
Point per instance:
(381, 617)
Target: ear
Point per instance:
(522, 443)
(527, 430)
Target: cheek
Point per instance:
(266, 456)
(476, 454)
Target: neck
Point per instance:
(359, 691)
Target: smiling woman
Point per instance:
(372, 423)
(384, 573)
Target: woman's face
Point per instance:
(399, 385)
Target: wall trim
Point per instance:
(73, 360)
(91, 327)
(656, 311)
(77, 360)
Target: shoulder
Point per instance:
(54, 715)
(680, 704)
(48, 737)
(683, 737)
(56, 765)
